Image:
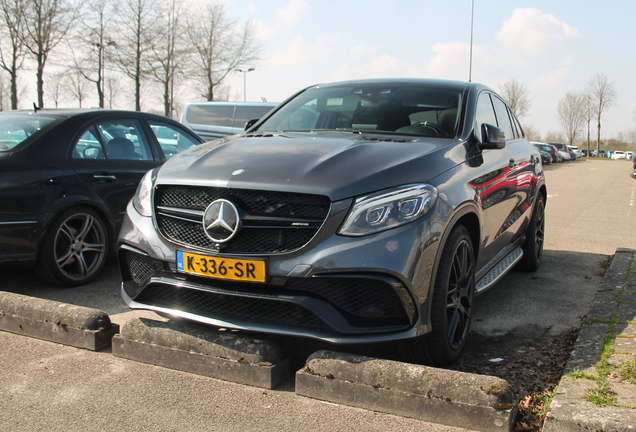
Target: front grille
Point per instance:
(227, 306)
(272, 234)
(249, 240)
(254, 202)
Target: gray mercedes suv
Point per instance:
(356, 212)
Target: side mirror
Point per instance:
(492, 137)
(250, 123)
(91, 153)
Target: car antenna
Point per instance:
(36, 108)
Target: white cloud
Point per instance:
(290, 14)
(450, 61)
(299, 53)
(286, 17)
(363, 50)
(533, 31)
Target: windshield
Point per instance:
(14, 129)
(396, 109)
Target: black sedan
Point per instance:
(65, 179)
(355, 212)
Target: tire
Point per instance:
(452, 304)
(74, 249)
(535, 238)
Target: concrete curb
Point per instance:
(53, 321)
(451, 398)
(569, 411)
(197, 349)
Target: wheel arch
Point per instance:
(71, 202)
(468, 216)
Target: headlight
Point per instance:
(388, 209)
(142, 201)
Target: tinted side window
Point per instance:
(502, 116)
(485, 114)
(211, 115)
(88, 146)
(243, 114)
(517, 124)
(124, 140)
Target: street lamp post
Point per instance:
(470, 61)
(245, 71)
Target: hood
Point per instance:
(338, 165)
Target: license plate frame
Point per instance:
(214, 267)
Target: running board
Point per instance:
(498, 271)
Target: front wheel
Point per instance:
(74, 249)
(452, 304)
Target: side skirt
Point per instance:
(498, 271)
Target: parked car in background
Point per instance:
(565, 152)
(609, 154)
(556, 157)
(577, 152)
(212, 120)
(546, 158)
(618, 155)
(357, 212)
(629, 155)
(65, 179)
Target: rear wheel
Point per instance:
(535, 236)
(452, 304)
(75, 248)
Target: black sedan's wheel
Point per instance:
(452, 304)
(535, 236)
(75, 248)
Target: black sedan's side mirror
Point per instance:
(250, 123)
(492, 137)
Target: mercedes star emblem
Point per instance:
(220, 221)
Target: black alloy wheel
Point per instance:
(75, 248)
(459, 297)
(535, 237)
(452, 304)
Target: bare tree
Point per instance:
(603, 95)
(3, 92)
(137, 19)
(93, 39)
(12, 43)
(220, 46)
(532, 133)
(46, 23)
(168, 52)
(111, 90)
(516, 94)
(55, 87)
(588, 115)
(76, 86)
(570, 114)
(552, 136)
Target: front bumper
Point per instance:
(337, 289)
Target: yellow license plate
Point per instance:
(221, 268)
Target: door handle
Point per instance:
(108, 177)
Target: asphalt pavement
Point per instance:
(45, 386)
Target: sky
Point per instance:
(551, 47)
